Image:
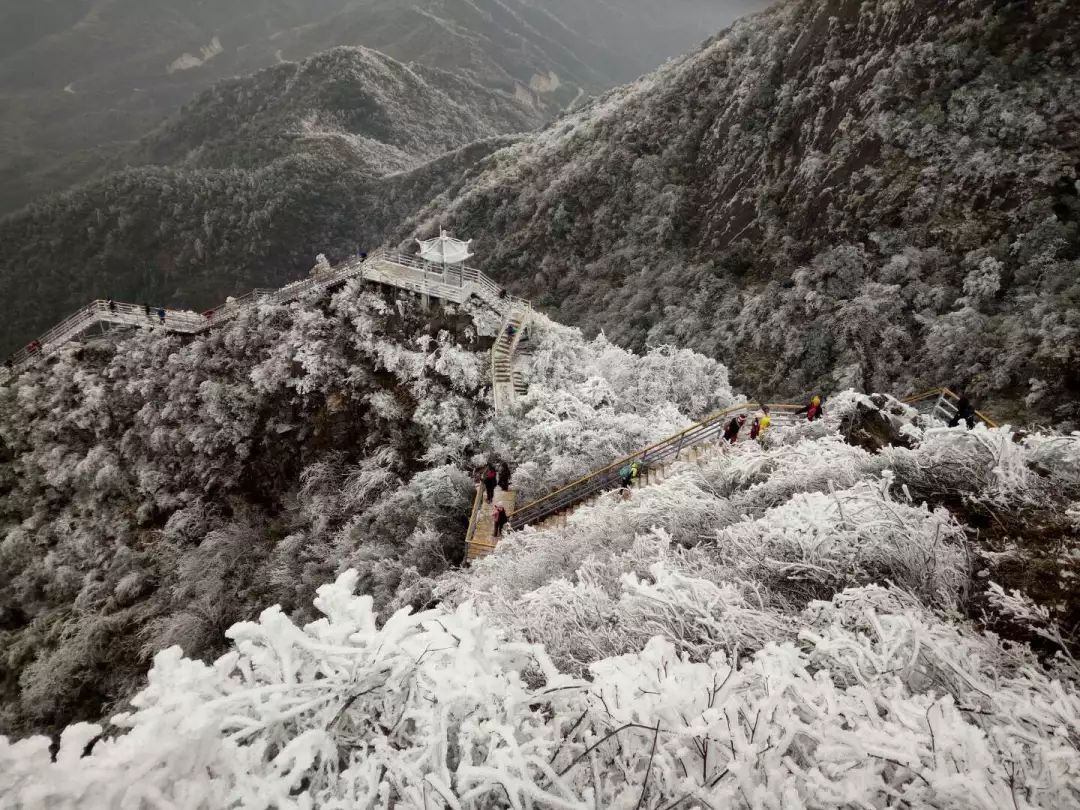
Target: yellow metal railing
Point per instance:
(576, 491)
(705, 430)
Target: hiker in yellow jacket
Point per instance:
(764, 420)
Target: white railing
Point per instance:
(405, 272)
(459, 277)
(101, 312)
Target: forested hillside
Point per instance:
(833, 193)
(381, 115)
(80, 80)
(248, 183)
(155, 490)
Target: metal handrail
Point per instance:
(694, 435)
(946, 394)
(477, 503)
(601, 479)
(95, 312)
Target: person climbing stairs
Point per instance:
(483, 540)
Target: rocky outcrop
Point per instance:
(876, 422)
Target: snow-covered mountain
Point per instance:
(233, 563)
(793, 621)
(379, 115)
(246, 184)
(878, 194)
(80, 80)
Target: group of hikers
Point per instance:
(489, 478)
(812, 409)
(150, 311)
(757, 427)
(630, 473)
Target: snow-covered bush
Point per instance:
(991, 465)
(432, 710)
(848, 537)
(591, 402)
(605, 611)
(167, 487)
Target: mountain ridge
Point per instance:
(267, 172)
(772, 200)
(409, 113)
(815, 170)
(81, 80)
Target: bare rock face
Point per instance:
(876, 423)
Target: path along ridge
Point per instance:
(694, 445)
(455, 284)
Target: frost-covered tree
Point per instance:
(878, 700)
(158, 489)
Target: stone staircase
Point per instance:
(507, 382)
(482, 525)
(649, 477)
(691, 445)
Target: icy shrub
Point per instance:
(595, 617)
(991, 466)
(160, 488)
(432, 710)
(819, 543)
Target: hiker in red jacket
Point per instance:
(490, 478)
(755, 428)
(731, 432)
(813, 410)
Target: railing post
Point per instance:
(939, 408)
